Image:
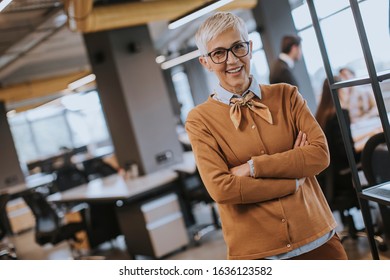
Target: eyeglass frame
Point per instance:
(229, 50)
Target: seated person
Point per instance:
(360, 100)
(327, 119)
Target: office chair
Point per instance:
(97, 168)
(193, 191)
(376, 165)
(49, 223)
(7, 249)
(343, 200)
(69, 176)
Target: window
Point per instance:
(259, 65)
(183, 92)
(336, 20)
(71, 122)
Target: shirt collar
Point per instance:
(290, 62)
(224, 95)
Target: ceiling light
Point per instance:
(179, 60)
(160, 59)
(4, 4)
(198, 12)
(81, 82)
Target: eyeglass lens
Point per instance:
(221, 55)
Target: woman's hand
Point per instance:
(244, 169)
(241, 170)
(301, 140)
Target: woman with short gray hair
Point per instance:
(258, 149)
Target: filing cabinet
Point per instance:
(153, 228)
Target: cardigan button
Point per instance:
(253, 126)
(283, 220)
(262, 152)
(288, 245)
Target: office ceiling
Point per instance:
(36, 43)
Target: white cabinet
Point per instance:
(154, 228)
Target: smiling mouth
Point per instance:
(235, 70)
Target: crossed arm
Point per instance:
(244, 169)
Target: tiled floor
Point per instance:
(212, 247)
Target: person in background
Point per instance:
(360, 100)
(281, 69)
(258, 149)
(328, 120)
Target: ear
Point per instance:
(204, 62)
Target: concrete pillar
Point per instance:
(10, 171)
(134, 98)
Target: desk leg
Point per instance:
(385, 214)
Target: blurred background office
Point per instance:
(72, 92)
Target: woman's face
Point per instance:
(233, 75)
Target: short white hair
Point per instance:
(217, 24)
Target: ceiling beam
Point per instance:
(39, 88)
(83, 17)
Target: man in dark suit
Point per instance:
(281, 69)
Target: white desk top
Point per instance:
(115, 187)
(32, 181)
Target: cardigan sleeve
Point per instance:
(302, 161)
(222, 185)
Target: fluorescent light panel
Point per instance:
(181, 59)
(81, 82)
(4, 4)
(198, 13)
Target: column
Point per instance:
(10, 171)
(134, 98)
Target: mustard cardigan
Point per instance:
(266, 215)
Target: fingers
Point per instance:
(298, 140)
(301, 140)
(304, 140)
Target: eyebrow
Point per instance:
(222, 48)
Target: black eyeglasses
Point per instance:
(220, 55)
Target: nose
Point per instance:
(231, 58)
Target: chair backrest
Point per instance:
(376, 160)
(3, 214)
(98, 168)
(69, 176)
(47, 221)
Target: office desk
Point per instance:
(114, 187)
(33, 181)
(115, 205)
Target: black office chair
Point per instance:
(97, 168)
(193, 191)
(376, 167)
(7, 249)
(50, 227)
(69, 176)
(341, 197)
